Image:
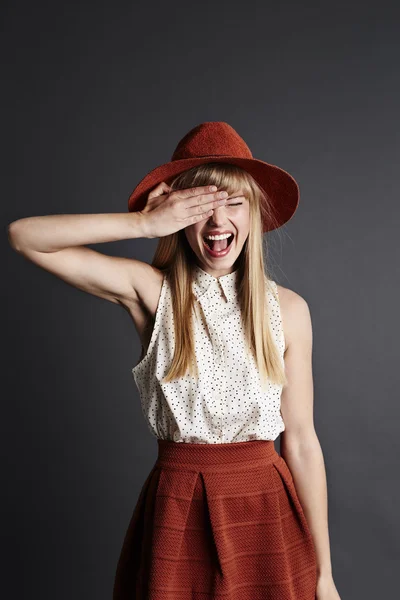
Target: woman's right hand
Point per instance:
(169, 211)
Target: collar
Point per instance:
(203, 281)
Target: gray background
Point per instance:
(96, 95)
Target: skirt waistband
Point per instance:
(234, 456)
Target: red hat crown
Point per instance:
(213, 138)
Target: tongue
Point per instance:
(219, 245)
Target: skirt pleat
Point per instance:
(217, 521)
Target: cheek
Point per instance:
(243, 223)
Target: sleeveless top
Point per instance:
(227, 403)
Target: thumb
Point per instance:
(159, 190)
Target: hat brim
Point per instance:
(281, 188)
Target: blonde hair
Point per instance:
(176, 259)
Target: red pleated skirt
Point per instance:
(217, 521)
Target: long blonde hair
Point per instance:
(176, 259)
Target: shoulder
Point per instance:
(295, 314)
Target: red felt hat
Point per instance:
(217, 141)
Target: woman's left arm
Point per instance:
(300, 447)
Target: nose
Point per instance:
(218, 216)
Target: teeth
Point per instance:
(223, 236)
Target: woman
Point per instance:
(225, 369)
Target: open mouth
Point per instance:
(219, 245)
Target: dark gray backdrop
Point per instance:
(96, 95)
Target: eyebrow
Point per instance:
(233, 197)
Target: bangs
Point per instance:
(225, 176)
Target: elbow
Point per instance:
(300, 441)
(14, 237)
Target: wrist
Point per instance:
(140, 225)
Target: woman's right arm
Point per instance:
(56, 243)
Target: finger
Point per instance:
(206, 202)
(198, 217)
(165, 186)
(160, 186)
(159, 190)
(194, 191)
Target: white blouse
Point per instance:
(227, 403)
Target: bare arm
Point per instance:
(300, 446)
(56, 244)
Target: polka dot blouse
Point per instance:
(227, 403)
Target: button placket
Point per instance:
(220, 359)
(223, 373)
(206, 304)
(210, 300)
